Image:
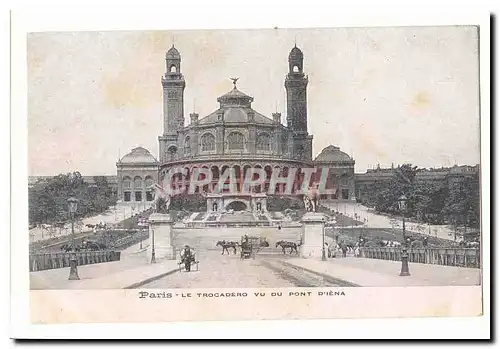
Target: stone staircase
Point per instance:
(261, 217)
(237, 217)
(211, 217)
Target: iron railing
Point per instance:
(457, 257)
(130, 240)
(44, 261)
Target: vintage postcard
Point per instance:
(254, 174)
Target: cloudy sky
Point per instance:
(384, 95)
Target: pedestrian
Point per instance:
(332, 252)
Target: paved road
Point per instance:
(224, 272)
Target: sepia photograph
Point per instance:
(269, 165)
(214, 187)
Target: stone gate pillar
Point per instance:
(313, 225)
(161, 234)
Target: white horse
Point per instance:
(333, 249)
(48, 229)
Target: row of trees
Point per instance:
(48, 199)
(455, 202)
(280, 204)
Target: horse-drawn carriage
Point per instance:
(85, 245)
(250, 245)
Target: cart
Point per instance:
(250, 245)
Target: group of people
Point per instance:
(469, 244)
(335, 248)
(341, 248)
(97, 227)
(411, 241)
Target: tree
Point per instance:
(462, 204)
(428, 200)
(48, 199)
(280, 204)
(190, 203)
(402, 183)
(434, 213)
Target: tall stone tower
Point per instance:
(173, 105)
(296, 92)
(296, 105)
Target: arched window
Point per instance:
(137, 183)
(172, 153)
(207, 142)
(187, 145)
(235, 141)
(284, 144)
(263, 142)
(127, 186)
(173, 69)
(138, 188)
(295, 69)
(127, 182)
(149, 193)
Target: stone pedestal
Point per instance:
(161, 233)
(313, 226)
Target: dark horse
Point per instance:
(350, 246)
(227, 244)
(89, 245)
(68, 248)
(287, 244)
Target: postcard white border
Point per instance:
(258, 15)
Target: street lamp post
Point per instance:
(323, 252)
(73, 271)
(153, 258)
(404, 252)
(142, 224)
(140, 243)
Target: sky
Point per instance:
(383, 95)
